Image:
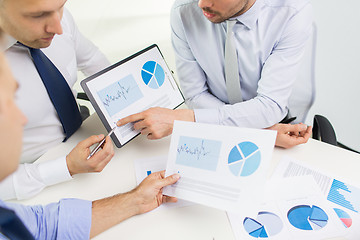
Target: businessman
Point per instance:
(69, 218)
(236, 61)
(45, 50)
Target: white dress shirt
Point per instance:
(70, 52)
(270, 39)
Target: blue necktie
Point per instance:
(12, 227)
(59, 92)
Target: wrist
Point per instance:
(186, 115)
(136, 201)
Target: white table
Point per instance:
(192, 222)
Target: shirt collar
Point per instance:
(250, 17)
(9, 41)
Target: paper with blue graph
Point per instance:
(343, 197)
(293, 208)
(146, 166)
(220, 166)
(130, 86)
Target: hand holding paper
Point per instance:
(222, 167)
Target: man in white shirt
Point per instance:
(269, 38)
(49, 26)
(68, 218)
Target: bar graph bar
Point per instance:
(344, 195)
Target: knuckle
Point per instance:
(135, 126)
(151, 129)
(147, 112)
(148, 122)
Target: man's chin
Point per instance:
(42, 44)
(217, 19)
(38, 44)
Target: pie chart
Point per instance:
(244, 159)
(305, 217)
(344, 217)
(153, 74)
(266, 225)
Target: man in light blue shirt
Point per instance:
(270, 37)
(69, 218)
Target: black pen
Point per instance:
(100, 143)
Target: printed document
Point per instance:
(220, 166)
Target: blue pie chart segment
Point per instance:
(266, 225)
(146, 77)
(244, 159)
(257, 232)
(306, 217)
(153, 74)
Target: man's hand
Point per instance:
(157, 122)
(110, 211)
(290, 135)
(77, 161)
(148, 195)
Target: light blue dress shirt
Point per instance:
(270, 39)
(67, 219)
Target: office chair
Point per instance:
(84, 111)
(303, 93)
(324, 132)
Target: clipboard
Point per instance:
(141, 81)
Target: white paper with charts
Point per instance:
(343, 197)
(222, 167)
(130, 86)
(293, 209)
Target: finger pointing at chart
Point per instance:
(157, 122)
(138, 82)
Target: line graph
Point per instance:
(120, 95)
(198, 153)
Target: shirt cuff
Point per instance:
(207, 116)
(74, 219)
(55, 171)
